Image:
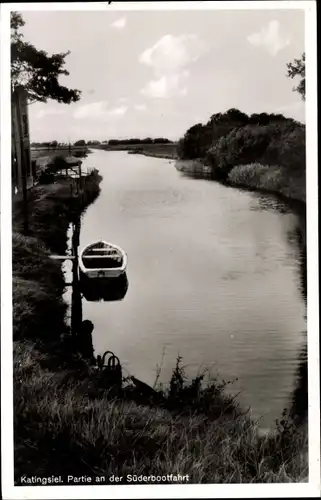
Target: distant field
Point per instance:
(158, 150)
(45, 152)
(43, 155)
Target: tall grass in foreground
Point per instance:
(63, 428)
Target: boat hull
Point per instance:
(88, 266)
(103, 273)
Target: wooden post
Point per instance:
(76, 304)
(79, 172)
(23, 160)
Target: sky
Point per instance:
(155, 74)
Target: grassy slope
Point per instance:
(64, 424)
(85, 433)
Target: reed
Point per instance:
(270, 178)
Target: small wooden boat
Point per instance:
(102, 260)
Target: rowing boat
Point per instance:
(102, 260)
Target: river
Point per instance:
(214, 277)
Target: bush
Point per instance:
(271, 178)
(288, 149)
(200, 138)
(276, 144)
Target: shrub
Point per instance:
(274, 144)
(200, 138)
(272, 178)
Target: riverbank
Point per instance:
(202, 433)
(255, 177)
(38, 281)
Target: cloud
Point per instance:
(99, 110)
(49, 112)
(270, 38)
(119, 23)
(119, 111)
(140, 107)
(92, 110)
(172, 52)
(123, 99)
(168, 58)
(166, 86)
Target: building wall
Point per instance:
(21, 157)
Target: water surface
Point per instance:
(214, 276)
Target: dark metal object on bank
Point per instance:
(111, 371)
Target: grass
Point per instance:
(194, 168)
(67, 423)
(271, 178)
(76, 432)
(49, 153)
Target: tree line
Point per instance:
(111, 142)
(134, 141)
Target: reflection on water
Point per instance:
(108, 290)
(215, 277)
(299, 397)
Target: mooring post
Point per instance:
(76, 304)
(79, 172)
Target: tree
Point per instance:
(35, 70)
(297, 68)
(81, 142)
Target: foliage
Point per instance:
(93, 143)
(196, 141)
(35, 70)
(81, 142)
(289, 183)
(133, 141)
(274, 144)
(200, 138)
(297, 68)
